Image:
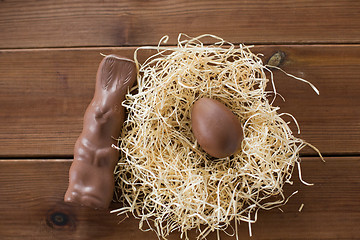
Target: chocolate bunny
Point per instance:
(91, 177)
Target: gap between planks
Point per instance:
(256, 44)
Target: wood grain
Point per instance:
(330, 121)
(44, 94)
(32, 190)
(33, 24)
(49, 54)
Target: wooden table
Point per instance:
(49, 52)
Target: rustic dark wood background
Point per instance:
(49, 53)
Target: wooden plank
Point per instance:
(44, 94)
(31, 24)
(32, 190)
(330, 121)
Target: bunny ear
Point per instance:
(127, 75)
(116, 70)
(107, 72)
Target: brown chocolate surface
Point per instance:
(217, 130)
(91, 180)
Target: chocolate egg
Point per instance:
(216, 128)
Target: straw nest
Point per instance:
(164, 178)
